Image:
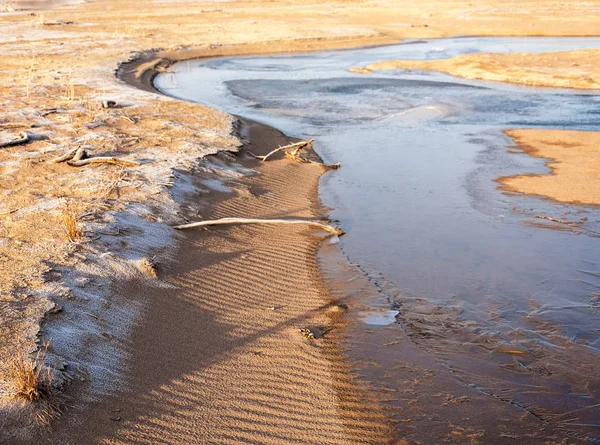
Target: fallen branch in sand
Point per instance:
(222, 221)
(10, 212)
(15, 125)
(297, 146)
(76, 154)
(67, 156)
(104, 160)
(23, 138)
(294, 155)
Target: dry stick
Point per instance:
(67, 156)
(24, 138)
(104, 160)
(80, 153)
(286, 147)
(217, 222)
(10, 212)
(294, 155)
(72, 155)
(15, 125)
(123, 116)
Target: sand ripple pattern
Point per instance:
(219, 358)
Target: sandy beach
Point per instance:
(158, 336)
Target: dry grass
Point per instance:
(31, 382)
(70, 216)
(147, 267)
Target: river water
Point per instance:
(423, 215)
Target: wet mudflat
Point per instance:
(493, 284)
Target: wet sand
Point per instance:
(428, 398)
(573, 159)
(561, 69)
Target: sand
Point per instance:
(562, 69)
(58, 67)
(218, 356)
(573, 159)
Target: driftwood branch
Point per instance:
(23, 138)
(15, 125)
(77, 154)
(80, 154)
(104, 160)
(78, 158)
(222, 221)
(67, 156)
(297, 146)
(294, 154)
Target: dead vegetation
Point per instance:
(295, 155)
(70, 220)
(22, 138)
(224, 221)
(31, 381)
(147, 266)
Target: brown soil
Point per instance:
(574, 160)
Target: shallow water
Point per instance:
(417, 198)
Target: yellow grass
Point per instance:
(70, 222)
(147, 267)
(31, 381)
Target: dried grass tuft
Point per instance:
(31, 381)
(70, 222)
(147, 267)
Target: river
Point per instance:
(424, 218)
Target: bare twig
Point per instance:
(297, 145)
(104, 160)
(80, 154)
(127, 118)
(23, 138)
(223, 221)
(10, 212)
(67, 156)
(76, 154)
(15, 125)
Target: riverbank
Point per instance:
(225, 328)
(57, 77)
